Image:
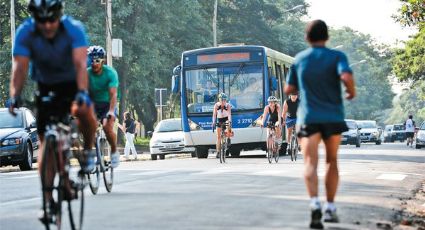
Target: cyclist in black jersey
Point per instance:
(274, 112)
(290, 107)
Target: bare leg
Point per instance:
(108, 125)
(86, 123)
(310, 147)
(332, 177)
(218, 143)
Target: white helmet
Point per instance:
(273, 99)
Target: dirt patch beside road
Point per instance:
(412, 213)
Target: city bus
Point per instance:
(247, 74)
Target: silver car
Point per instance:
(420, 136)
(168, 138)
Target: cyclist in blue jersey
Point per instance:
(56, 45)
(103, 81)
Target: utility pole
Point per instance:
(12, 22)
(109, 32)
(215, 22)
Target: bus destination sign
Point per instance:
(222, 58)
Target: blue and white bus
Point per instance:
(247, 74)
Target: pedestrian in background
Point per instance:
(410, 130)
(317, 74)
(129, 128)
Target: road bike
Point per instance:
(224, 142)
(272, 144)
(62, 180)
(293, 146)
(103, 163)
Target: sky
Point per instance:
(366, 16)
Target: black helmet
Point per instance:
(45, 9)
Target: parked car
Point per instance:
(352, 136)
(395, 132)
(168, 138)
(420, 136)
(18, 138)
(370, 132)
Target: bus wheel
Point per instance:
(235, 152)
(201, 152)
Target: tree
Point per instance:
(411, 13)
(373, 88)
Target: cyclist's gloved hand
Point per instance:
(12, 103)
(83, 97)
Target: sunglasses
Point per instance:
(44, 20)
(97, 61)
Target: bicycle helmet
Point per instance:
(272, 98)
(222, 96)
(45, 9)
(96, 52)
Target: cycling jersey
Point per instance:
(222, 111)
(51, 58)
(292, 108)
(273, 116)
(100, 84)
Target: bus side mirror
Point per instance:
(273, 83)
(175, 84)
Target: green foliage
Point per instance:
(373, 88)
(412, 13)
(142, 141)
(409, 63)
(411, 102)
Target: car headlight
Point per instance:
(353, 135)
(421, 135)
(12, 141)
(376, 133)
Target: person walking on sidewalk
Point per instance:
(129, 128)
(409, 125)
(317, 74)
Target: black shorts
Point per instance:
(410, 134)
(222, 122)
(326, 129)
(101, 109)
(59, 108)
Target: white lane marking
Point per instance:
(20, 177)
(14, 202)
(391, 176)
(151, 172)
(270, 173)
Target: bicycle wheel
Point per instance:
(296, 149)
(223, 150)
(269, 152)
(292, 148)
(76, 206)
(276, 153)
(53, 189)
(105, 156)
(94, 177)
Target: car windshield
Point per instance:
(169, 126)
(367, 124)
(399, 127)
(351, 124)
(9, 121)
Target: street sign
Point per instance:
(160, 97)
(116, 48)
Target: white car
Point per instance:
(370, 132)
(168, 138)
(420, 136)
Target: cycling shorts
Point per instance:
(59, 108)
(102, 109)
(290, 122)
(326, 129)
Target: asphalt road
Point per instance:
(244, 193)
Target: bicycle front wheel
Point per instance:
(76, 206)
(52, 184)
(105, 156)
(94, 177)
(276, 153)
(270, 152)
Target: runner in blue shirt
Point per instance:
(56, 45)
(317, 74)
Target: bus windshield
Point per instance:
(243, 84)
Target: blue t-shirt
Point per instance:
(316, 73)
(51, 59)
